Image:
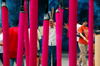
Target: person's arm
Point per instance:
(80, 30)
(83, 37)
(1, 44)
(66, 27)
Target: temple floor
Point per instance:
(65, 60)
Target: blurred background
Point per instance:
(83, 6)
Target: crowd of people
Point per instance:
(82, 42)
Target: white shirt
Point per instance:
(1, 41)
(41, 30)
(52, 36)
(78, 26)
(38, 38)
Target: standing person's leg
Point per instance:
(84, 60)
(11, 62)
(49, 56)
(83, 54)
(16, 61)
(80, 58)
(54, 56)
(86, 49)
(1, 57)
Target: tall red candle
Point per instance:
(45, 40)
(5, 23)
(26, 35)
(58, 37)
(33, 32)
(59, 31)
(91, 20)
(21, 37)
(72, 33)
(45, 36)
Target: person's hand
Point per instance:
(85, 39)
(51, 20)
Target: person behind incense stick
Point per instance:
(13, 38)
(67, 27)
(78, 26)
(1, 45)
(38, 38)
(40, 29)
(52, 43)
(83, 42)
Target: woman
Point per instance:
(83, 43)
(1, 45)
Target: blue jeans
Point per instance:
(1, 57)
(52, 50)
(12, 60)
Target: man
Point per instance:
(38, 38)
(13, 37)
(1, 45)
(40, 29)
(78, 26)
(83, 43)
(52, 43)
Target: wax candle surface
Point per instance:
(20, 39)
(72, 32)
(45, 43)
(26, 34)
(33, 32)
(5, 24)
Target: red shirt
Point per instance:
(86, 31)
(13, 37)
(67, 25)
